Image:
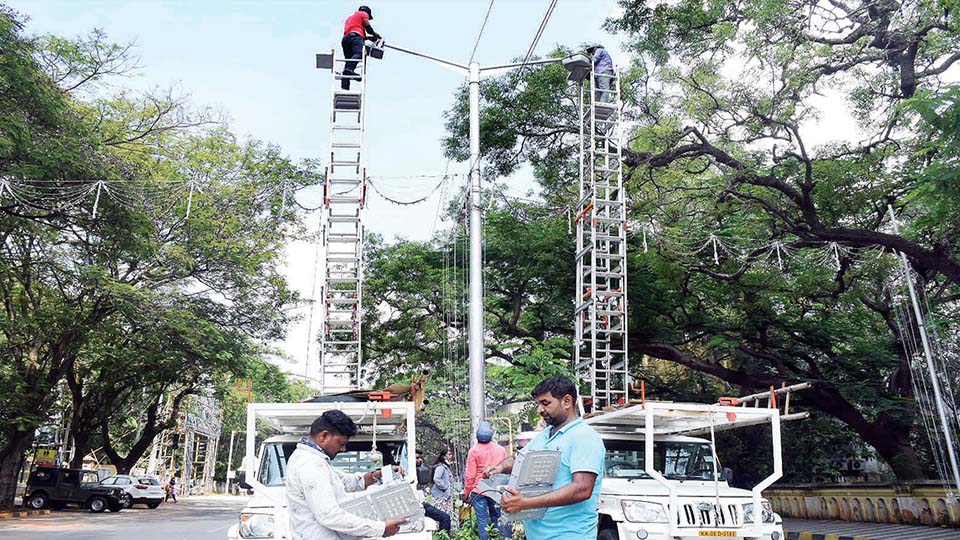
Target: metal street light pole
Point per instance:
(475, 330)
(475, 318)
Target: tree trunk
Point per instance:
(889, 436)
(11, 456)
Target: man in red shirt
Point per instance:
(355, 31)
(483, 454)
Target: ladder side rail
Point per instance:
(579, 288)
(622, 205)
(592, 312)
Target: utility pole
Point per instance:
(475, 331)
(230, 459)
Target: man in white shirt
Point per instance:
(315, 487)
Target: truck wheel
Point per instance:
(38, 500)
(97, 504)
(116, 507)
(153, 505)
(608, 534)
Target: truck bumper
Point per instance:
(660, 531)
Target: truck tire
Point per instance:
(115, 507)
(97, 504)
(38, 500)
(153, 504)
(608, 534)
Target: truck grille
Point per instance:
(708, 514)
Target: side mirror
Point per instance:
(727, 474)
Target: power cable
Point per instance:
(479, 34)
(536, 38)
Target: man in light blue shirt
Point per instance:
(602, 72)
(572, 505)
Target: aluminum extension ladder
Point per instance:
(600, 316)
(344, 193)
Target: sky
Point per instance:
(254, 62)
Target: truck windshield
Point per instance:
(273, 464)
(675, 460)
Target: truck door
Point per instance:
(69, 488)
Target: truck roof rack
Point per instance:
(389, 417)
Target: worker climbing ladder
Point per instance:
(344, 192)
(600, 327)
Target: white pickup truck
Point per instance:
(386, 436)
(663, 480)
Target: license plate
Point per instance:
(718, 533)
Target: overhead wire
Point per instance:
(480, 33)
(536, 38)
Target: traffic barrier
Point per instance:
(915, 503)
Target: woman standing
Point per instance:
(442, 489)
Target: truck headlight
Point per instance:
(643, 512)
(256, 526)
(766, 511)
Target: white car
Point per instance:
(142, 489)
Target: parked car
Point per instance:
(56, 487)
(141, 489)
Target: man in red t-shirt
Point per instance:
(355, 31)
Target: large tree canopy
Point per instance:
(767, 227)
(140, 251)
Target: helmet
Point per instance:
(366, 10)
(485, 432)
(593, 46)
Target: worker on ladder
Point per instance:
(602, 72)
(356, 29)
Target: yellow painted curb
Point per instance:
(23, 513)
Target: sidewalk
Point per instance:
(811, 529)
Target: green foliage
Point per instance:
(139, 306)
(723, 96)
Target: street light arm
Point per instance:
(452, 66)
(520, 64)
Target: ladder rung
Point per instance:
(346, 128)
(341, 163)
(345, 145)
(342, 219)
(340, 300)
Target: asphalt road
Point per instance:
(193, 518)
(872, 531)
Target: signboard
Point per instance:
(45, 456)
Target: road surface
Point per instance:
(193, 518)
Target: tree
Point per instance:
(85, 293)
(723, 94)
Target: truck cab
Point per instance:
(663, 480)
(386, 436)
(634, 505)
